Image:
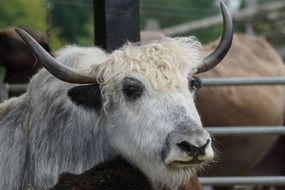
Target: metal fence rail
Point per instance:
(243, 181)
(246, 130)
(237, 81)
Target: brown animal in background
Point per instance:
(18, 61)
(245, 105)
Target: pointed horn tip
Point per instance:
(23, 34)
(223, 6)
(20, 31)
(226, 13)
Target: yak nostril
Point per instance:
(186, 146)
(192, 149)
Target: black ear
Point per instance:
(88, 96)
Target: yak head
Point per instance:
(146, 93)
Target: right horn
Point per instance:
(56, 68)
(220, 52)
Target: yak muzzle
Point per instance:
(188, 147)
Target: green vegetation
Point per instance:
(75, 23)
(30, 13)
(23, 12)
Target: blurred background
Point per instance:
(71, 21)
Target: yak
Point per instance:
(89, 106)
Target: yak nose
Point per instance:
(188, 146)
(197, 152)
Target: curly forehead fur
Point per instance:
(158, 62)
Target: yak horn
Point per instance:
(220, 52)
(56, 68)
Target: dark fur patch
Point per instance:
(115, 174)
(88, 96)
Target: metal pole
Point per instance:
(116, 22)
(245, 180)
(246, 130)
(238, 81)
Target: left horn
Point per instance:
(220, 52)
(56, 68)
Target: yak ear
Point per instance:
(88, 96)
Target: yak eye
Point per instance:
(194, 84)
(132, 88)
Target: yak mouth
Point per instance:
(192, 163)
(185, 164)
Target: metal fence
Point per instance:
(245, 180)
(5, 89)
(241, 130)
(248, 130)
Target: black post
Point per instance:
(116, 21)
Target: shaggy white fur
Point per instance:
(160, 62)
